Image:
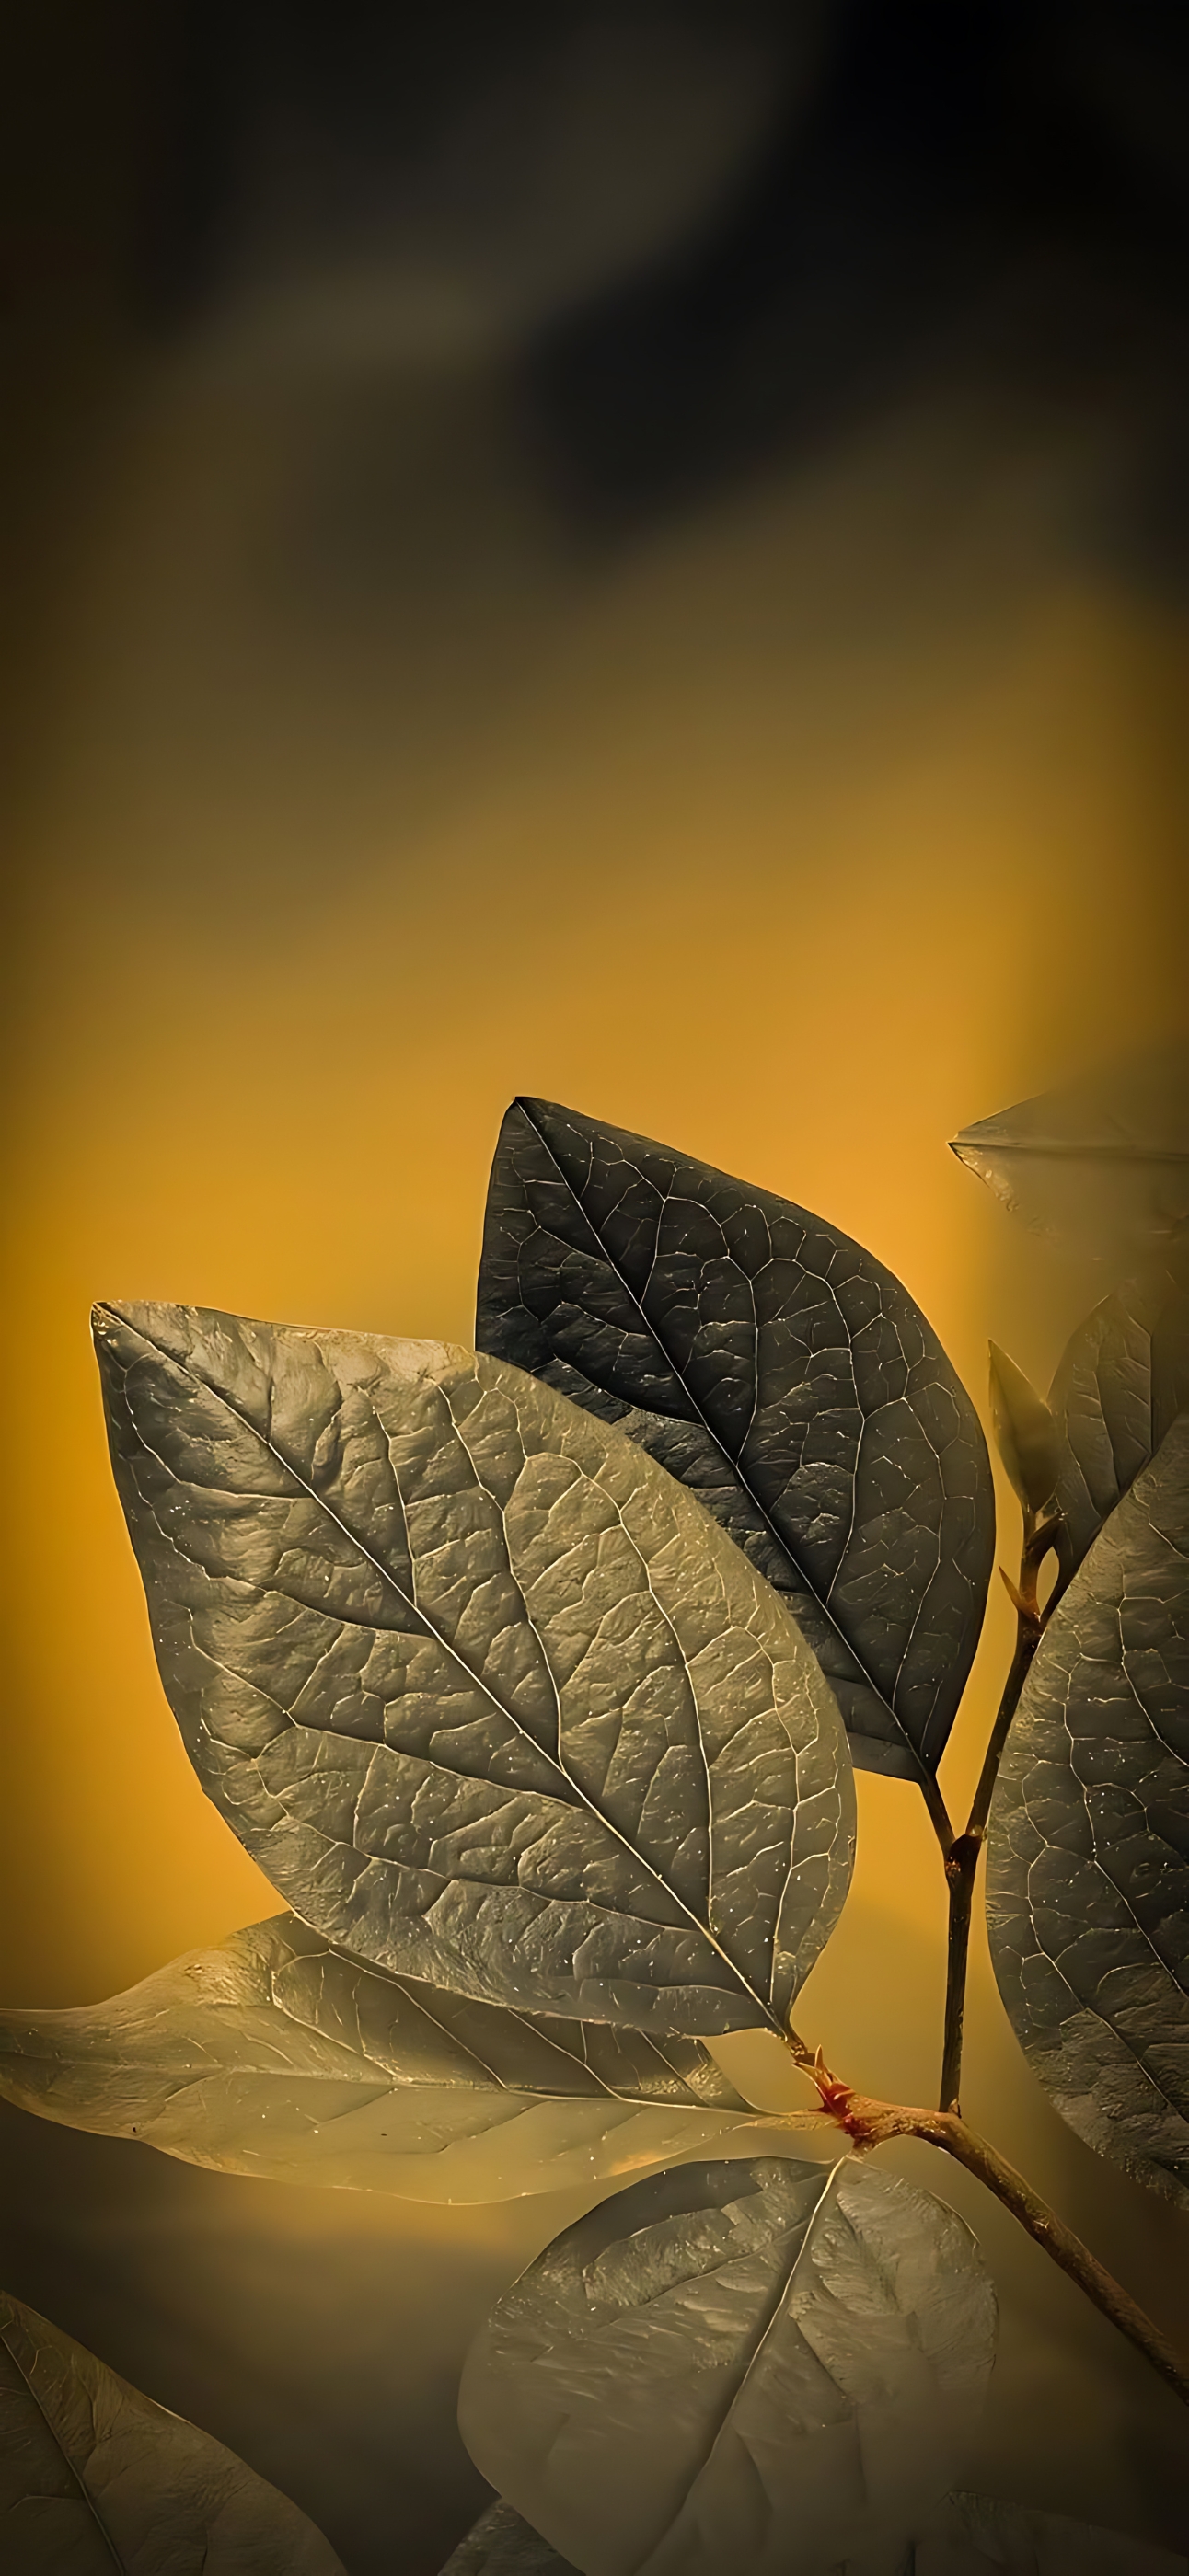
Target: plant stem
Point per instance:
(870, 2123)
(961, 1860)
(961, 1866)
(938, 1812)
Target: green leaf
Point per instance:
(1121, 1382)
(1028, 1439)
(747, 2366)
(972, 2535)
(503, 2544)
(773, 1366)
(278, 2056)
(1088, 1859)
(94, 2477)
(1102, 1161)
(490, 1699)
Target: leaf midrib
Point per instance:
(526, 2022)
(85, 2494)
(762, 2331)
(363, 2072)
(739, 1981)
(724, 1453)
(379, 2084)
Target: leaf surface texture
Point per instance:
(766, 2367)
(492, 1701)
(1121, 1382)
(972, 2535)
(965, 2535)
(782, 1373)
(277, 2056)
(95, 2478)
(503, 2544)
(1088, 1857)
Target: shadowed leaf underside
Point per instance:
(277, 2056)
(491, 1700)
(774, 1367)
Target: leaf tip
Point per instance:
(1026, 1434)
(107, 1332)
(115, 1322)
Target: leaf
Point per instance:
(773, 1366)
(1088, 1858)
(965, 2535)
(492, 1702)
(764, 2367)
(973, 2535)
(1122, 1380)
(502, 2544)
(276, 2055)
(94, 2477)
(1103, 1161)
(1028, 1439)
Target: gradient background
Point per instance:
(631, 553)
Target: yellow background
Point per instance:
(797, 834)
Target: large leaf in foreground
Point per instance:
(94, 2477)
(491, 1700)
(1121, 1382)
(772, 1365)
(275, 2055)
(1088, 1861)
(764, 2367)
(972, 2535)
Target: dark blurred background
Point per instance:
(629, 552)
(678, 244)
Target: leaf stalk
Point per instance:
(870, 2123)
(962, 1857)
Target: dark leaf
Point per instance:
(965, 2535)
(94, 2477)
(1103, 1161)
(489, 1698)
(276, 2055)
(502, 2544)
(973, 2535)
(1122, 1380)
(777, 1369)
(1028, 1439)
(759, 2367)
(1088, 1863)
